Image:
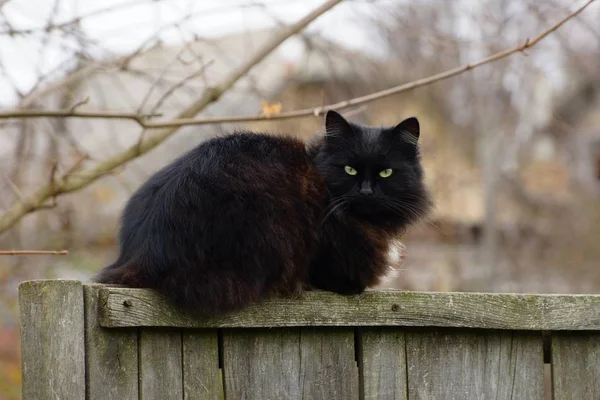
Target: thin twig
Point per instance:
(33, 252)
(73, 182)
(168, 94)
(80, 103)
(179, 84)
(77, 165)
(52, 181)
(158, 80)
(14, 188)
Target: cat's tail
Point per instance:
(119, 274)
(200, 296)
(212, 295)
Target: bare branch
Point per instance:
(384, 93)
(73, 182)
(33, 252)
(316, 111)
(71, 112)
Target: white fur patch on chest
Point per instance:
(396, 255)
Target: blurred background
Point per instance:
(511, 149)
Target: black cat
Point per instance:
(249, 215)
(228, 223)
(375, 187)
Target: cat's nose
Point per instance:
(366, 189)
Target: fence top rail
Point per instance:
(124, 307)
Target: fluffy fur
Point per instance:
(226, 224)
(366, 211)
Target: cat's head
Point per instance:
(373, 172)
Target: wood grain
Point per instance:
(382, 363)
(161, 372)
(462, 365)
(374, 308)
(111, 356)
(262, 364)
(576, 365)
(328, 370)
(201, 378)
(52, 340)
(296, 363)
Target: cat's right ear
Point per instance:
(336, 125)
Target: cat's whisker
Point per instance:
(397, 208)
(333, 203)
(337, 205)
(408, 207)
(341, 204)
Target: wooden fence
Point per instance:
(83, 341)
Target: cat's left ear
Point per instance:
(410, 126)
(336, 125)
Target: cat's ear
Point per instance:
(336, 125)
(408, 126)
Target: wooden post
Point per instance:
(52, 340)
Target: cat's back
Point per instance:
(239, 157)
(251, 173)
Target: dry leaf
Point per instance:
(103, 193)
(269, 110)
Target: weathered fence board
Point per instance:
(262, 364)
(328, 369)
(111, 356)
(161, 372)
(374, 308)
(290, 364)
(52, 339)
(201, 378)
(382, 361)
(105, 342)
(576, 366)
(474, 365)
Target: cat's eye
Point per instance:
(350, 171)
(385, 173)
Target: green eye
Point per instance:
(350, 171)
(385, 173)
